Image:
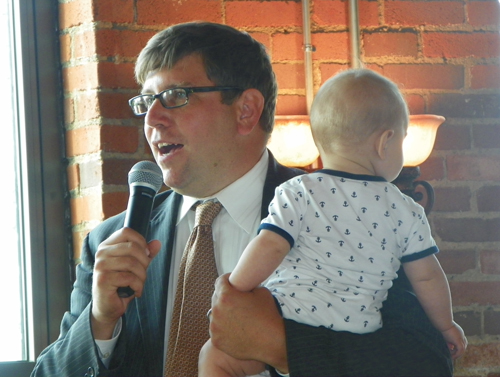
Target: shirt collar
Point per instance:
(249, 186)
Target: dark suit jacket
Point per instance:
(140, 348)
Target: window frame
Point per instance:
(49, 259)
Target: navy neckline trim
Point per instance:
(358, 177)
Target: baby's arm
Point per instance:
(261, 257)
(433, 292)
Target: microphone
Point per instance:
(144, 179)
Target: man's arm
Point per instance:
(247, 325)
(75, 350)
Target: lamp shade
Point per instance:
(420, 139)
(291, 141)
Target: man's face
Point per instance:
(192, 144)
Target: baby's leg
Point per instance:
(215, 363)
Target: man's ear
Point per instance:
(249, 110)
(382, 142)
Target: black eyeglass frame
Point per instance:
(187, 90)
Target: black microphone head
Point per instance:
(146, 173)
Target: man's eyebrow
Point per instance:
(173, 86)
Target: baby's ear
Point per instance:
(382, 142)
(250, 107)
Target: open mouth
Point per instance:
(168, 148)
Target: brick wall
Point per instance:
(443, 54)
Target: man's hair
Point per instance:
(230, 57)
(352, 105)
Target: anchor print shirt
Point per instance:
(349, 235)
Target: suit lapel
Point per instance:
(276, 175)
(152, 305)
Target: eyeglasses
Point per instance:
(171, 98)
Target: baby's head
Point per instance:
(354, 105)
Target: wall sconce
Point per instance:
(291, 141)
(417, 147)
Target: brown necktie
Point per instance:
(195, 286)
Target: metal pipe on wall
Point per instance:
(354, 37)
(354, 33)
(308, 50)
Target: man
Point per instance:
(208, 96)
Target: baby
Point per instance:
(335, 238)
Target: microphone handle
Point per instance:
(137, 217)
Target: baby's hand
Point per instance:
(457, 342)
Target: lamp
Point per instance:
(417, 147)
(291, 141)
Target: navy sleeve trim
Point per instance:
(279, 231)
(420, 254)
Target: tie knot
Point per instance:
(206, 212)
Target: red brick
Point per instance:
(432, 169)
(115, 76)
(91, 174)
(290, 76)
(486, 136)
(457, 261)
(114, 203)
(115, 171)
(84, 45)
(115, 105)
(452, 199)
(460, 45)
(75, 13)
(80, 77)
(122, 139)
(426, 76)
(390, 44)
(118, 11)
(488, 198)
(490, 262)
(288, 46)
(86, 106)
(334, 13)
(480, 356)
(329, 13)
(481, 292)
(291, 105)
(263, 13)
(469, 229)
(330, 46)
(328, 70)
(122, 43)
(86, 208)
(73, 173)
(65, 47)
(263, 38)
(69, 111)
(485, 77)
(368, 13)
(470, 322)
(457, 105)
(453, 137)
(78, 238)
(168, 12)
(483, 13)
(424, 12)
(415, 102)
(473, 168)
(492, 322)
(82, 141)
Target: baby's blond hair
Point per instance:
(352, 105)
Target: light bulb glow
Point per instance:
(291, 141)
(419, 142)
